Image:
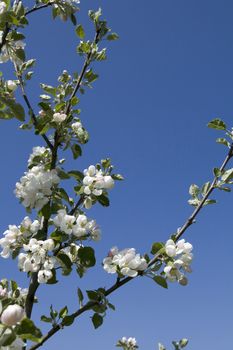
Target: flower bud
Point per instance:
(12, 314)
(11, 85)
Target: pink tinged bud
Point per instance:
(12, 315)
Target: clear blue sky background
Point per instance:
(168, 75)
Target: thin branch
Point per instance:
(31, 112)
(4, 35)
(36, 8)
(79, 312)
(192, 217)
(85, 66)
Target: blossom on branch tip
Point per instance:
(127, 343)
(181, 258)
(95, 182)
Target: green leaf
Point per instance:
(91, 76)
(118, 177)
(76, 150)
(210, 201)
(97, 320)
(77, 175)
(156, 247)
(87, 256)
(80, 31)
(103, 200)
(223, 142)
(217, 124)
(46, 319)
(45, 211)
(28, 330)
(80, 297)
(20, 54)
(113, 36)
(63, 312)
(217, 172)
(53, 279)
(68, 320)
(194, 190)
(228, 175)
(13, 285)
(205, 188)
(65, 263)
(160, 281)
(93, 295)
(62, 194)
(7, 339)
(62, 174)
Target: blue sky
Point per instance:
(168, 75)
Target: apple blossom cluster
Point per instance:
(59, 118)
(124, 262)
(35, 187)
(79, 226)
(16, 236)
(127, 343)
(79, 131)
(40, 155)
(36, 258)
(182, 257)
(95, 183)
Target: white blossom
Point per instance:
(59, 117)
(15, 236)
(36, 258)
(182, 258)
(35, 187)
(95, 182)
(12, 315)
(126, 261)
(128, 343)
(79, 132)
(80, 226)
